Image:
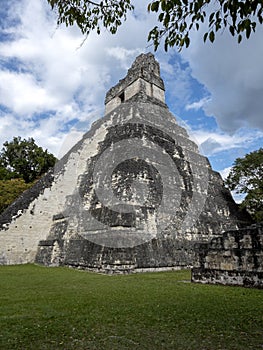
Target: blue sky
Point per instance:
(52, 82)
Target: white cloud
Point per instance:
(46, 70)
(212, 143)
(123, 55)
(198, 104)
(233, 75)
(48, 81)
(22, 94)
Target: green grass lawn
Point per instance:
(60, 308)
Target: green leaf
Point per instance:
(232, 30)
(160, 18)
(155, 6)
(212, 36)
(248, 32)
(187, 41)
(211, 17)
(166, 20)
(163, 5)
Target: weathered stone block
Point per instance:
(238, 264)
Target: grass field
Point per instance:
(60, 308)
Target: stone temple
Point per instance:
(134, 194)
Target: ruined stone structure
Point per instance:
(234, 258)
(134, 194)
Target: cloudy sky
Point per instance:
(52, 84)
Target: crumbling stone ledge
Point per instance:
(235, 258)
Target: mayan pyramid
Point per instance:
(134, 194)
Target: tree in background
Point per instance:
(246, 176)
(24, 159)
(6, 174)
(21, 163)
(177, 18)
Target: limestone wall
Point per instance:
(57, 221)
(136, 87)
(30, 218)
(235, 258)
(133, 194)
(185, 200)
(143, 79)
